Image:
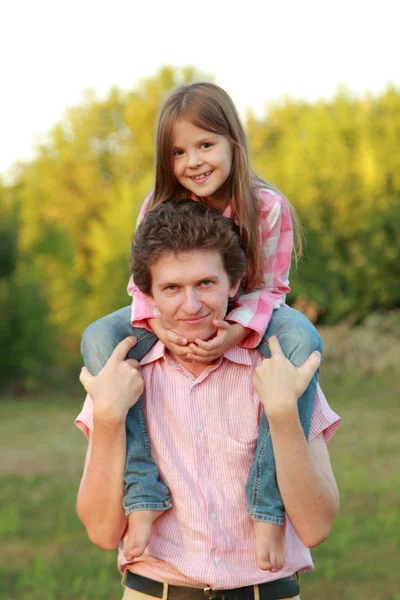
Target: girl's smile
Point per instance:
(202, 177)
(202, 160)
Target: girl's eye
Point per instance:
(177, 152)
(206, 145)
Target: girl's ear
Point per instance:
(233, 289)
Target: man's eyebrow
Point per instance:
(167, 282)
(206, 277)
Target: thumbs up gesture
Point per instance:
(119, 384)
(278, 383)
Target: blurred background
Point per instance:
(318, 88)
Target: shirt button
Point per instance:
(205, 472)
(213, 516)
(217, 559)
(199, 428)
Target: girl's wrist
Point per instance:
(240, 332)
(156, 326)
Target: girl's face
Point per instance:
(202, 161)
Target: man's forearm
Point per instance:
(305, 479)
(100, 494)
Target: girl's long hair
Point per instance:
(209, 107)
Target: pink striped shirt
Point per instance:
(203, 433)
(254, 309)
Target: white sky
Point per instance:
(259, 50)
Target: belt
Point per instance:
(287, 587)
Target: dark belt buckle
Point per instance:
(213, 594)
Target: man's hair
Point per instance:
(179, 226)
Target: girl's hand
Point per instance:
(279, 384)
(174, 342)
(119, 384)
(228, 335)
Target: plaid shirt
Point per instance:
(253, 310)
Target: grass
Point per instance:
(44, 551)
(360, 558)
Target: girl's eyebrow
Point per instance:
(207, 135)
(200, 139)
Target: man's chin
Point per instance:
(203, 335)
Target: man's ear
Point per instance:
(233, 288)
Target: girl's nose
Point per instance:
(195, 160)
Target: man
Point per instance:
(202, 422)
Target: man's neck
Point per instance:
(193, 367)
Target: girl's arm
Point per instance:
(142, 310)
(253, 310)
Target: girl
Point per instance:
(201, 152)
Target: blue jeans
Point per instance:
(143, 487)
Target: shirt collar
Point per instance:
(236, 354)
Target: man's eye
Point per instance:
(206, 282)
(171, 288)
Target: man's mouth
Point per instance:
(194, 320)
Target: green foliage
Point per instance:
(338, 162)
(8, 242)
(26, 341)
(69, 217)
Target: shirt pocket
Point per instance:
(243, 420)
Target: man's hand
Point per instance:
(278, 383)
(119, 384)
(228, 335)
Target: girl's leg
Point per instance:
(298, 338)
(143, 488)
(101, 337)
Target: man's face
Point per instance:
(191, 290)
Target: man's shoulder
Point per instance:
(244, 356)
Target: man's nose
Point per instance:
(192, 302)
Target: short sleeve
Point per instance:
(84, 421)
(324, 419)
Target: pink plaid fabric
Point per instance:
(203, 440)
(254, 309)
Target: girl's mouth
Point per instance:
(201, 178)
